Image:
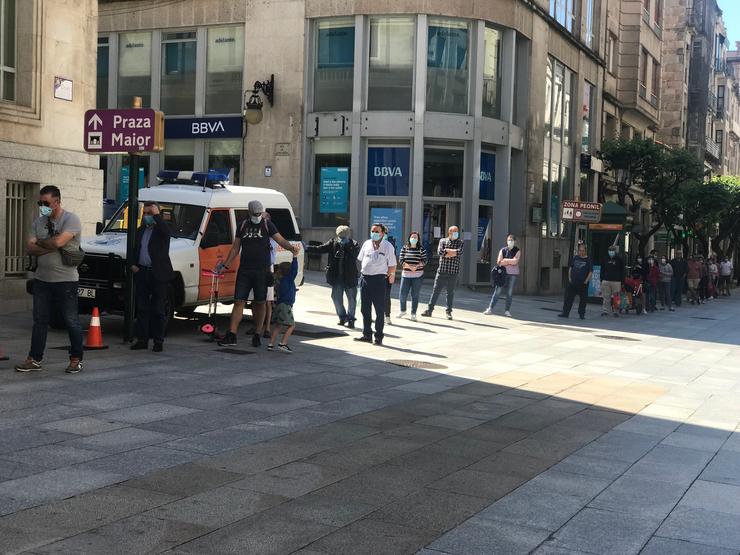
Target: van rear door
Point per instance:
(214, 248)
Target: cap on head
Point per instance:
(255, 207)
(343, 231)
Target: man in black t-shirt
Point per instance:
(581, 270)
(253, 240)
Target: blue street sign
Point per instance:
(334, 191)
(227, 127)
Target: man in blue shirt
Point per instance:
(581, 270)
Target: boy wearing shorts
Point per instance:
(282, 315)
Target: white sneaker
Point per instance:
(488, 312)
(401, 315)
(413, 317)
(507, 314)
(388, 321)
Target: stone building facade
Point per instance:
(47, 81)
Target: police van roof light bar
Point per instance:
(210, 179)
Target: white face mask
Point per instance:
(255, 219)
(510, 243)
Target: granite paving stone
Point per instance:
(724, 468)
(292, 480)
(713, 496)
(479, 536)
(118, 441)
(665, 546)
(652, 498)
(370, 537)
(184, 480)
(325, 510)
(703, 527)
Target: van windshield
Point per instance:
(183, 219)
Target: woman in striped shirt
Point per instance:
(413, 259)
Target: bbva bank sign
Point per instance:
(388, 170)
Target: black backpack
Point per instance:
(498, 276)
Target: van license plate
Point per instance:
(86, 292)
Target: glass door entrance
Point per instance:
(438, 217)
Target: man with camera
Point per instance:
(55, 241)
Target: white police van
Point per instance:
(203, 213)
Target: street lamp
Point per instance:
(253, 106)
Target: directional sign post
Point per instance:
(130, 131)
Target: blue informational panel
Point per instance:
(483, 224)
(388, 171)
(391, 218)
(594, 286)
(123, 182)
(334, 190)
(487, 176)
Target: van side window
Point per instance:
(280, 217)
(218, 230)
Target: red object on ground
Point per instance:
(95, 332)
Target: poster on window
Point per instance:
(594, 286)
(487, 175)
(448, 46)
(336, 47)
(334, 190)
(392, 219)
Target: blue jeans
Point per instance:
(46, 298)
(414, 286)
(509, 287)
(448, 281)
(337, 295)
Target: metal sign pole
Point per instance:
(129, 310)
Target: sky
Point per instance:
(731, 15)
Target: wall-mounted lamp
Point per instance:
(253, 106)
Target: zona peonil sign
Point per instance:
(577, 211)
(121, 131)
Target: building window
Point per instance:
(659, 13)
(18, 211)
(492, 74)
(225, 155)
(589, 38)
(179, 155)
(589, 94)
(391, 64)
(643, 73)
(549, 83)
(388, 170)
(335, 62)
(655, 95)
(331, 182)
(224, 68)
(178, 73)
(447, 66)
(101, 92)
(443, 172)
(720, 101)
(134, 69)
(611, 53)
(562, 11)
(7, 50)
(718, 138)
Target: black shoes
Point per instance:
(378, 341)
(256, 342)
(562, 315)
(140, 346)
(228, 340)
(158, 347)
(351, 324)
(427, 312)
(364, 339)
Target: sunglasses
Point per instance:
(43, 203)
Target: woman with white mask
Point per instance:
(508, 258)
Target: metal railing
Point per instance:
(714, 149)
(712, 102)
(16, 227)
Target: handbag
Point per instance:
(72, 257)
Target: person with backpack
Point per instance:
(342, 272)
(252, 244)
(413, 258)
(508, 259)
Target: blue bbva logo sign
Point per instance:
(388, 171)
(486, 176)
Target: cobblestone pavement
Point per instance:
(528, 434)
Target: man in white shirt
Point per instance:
(378, 267)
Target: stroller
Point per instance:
(633, 287)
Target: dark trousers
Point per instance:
(372, 296)
(388, 288)
(60, 296)
(151, 317)
(573, 289)
(677, 286)
(443, 281)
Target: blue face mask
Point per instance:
(344, 240)
(45, 210)
(413, 241)
(455, 235)
(148, 220)
(612, 254)
(375, 236)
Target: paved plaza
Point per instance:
(530, 434)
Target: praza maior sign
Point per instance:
(129, 130)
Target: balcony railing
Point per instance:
(712, 102)
(714, 149)
(720, 66)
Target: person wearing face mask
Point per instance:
(450, 251)
(253, 242)
(725, 275)
(153, 272)
(693, 277)
(652, 276)
(612, 276)
(508, 257)
(55, 283)
(581, 272)
(680, 270)
(378, 266)
(341, 272)
(413, 258)
(665, 283)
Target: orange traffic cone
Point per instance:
(94, 332)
